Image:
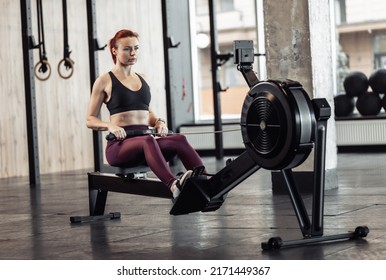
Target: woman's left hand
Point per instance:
(162, 129)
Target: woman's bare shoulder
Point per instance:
(102, 83)
(104, 78)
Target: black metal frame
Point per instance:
(93, 46)
(170, 120)
(30, 96)
(217, 60)
(219, 150)
(312, 230)
(101, 183)
(132, 180)
(94, 72)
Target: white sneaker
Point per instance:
(175, 188)
(184, 177)
(178, 184)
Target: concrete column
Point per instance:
(300, 45)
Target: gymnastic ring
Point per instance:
(38, 69)
(68, 63)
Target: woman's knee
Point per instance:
(149, 139)
(179, 138)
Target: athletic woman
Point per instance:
(127, 97)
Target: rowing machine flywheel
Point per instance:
(277, 124)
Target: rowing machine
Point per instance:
(280, 126)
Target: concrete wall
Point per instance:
(300, 46)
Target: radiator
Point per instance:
(201, 137)
(359, 132)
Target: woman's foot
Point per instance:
(178, 184)
(184, 177)
(175, 188)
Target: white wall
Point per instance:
(64, 141)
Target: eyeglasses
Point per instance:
(131, 49)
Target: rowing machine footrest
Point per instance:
(194, 197)
(213, 204)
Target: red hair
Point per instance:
(124, 33)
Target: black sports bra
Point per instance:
(123, 99)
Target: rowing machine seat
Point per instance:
(132, 172)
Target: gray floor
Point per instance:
(35, 223)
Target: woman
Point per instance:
(127, 97)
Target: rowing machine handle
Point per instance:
(110, 137)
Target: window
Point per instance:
(380, 51)
(224, 5)
(239, 23)
(340, 12)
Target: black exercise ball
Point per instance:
(369, 104)
(377, 81)
(344, 105)
(355, 83)
(384, 102)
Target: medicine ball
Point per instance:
(344, 105)
(355, 83)
(369, 104)
(384, 102)
(377, 81)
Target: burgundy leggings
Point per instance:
(154, 152)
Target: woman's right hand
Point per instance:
(118, 131)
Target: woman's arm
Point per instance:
(98, 95)
(158, 123)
